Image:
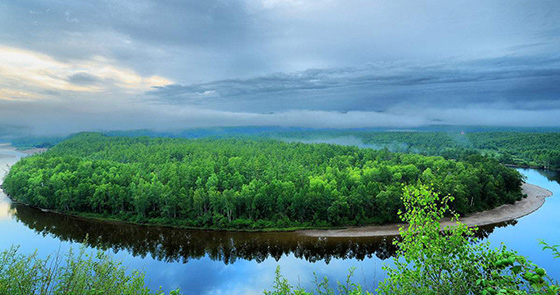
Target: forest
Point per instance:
(247, 183)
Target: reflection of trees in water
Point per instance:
(176, 245)
(549, 174)
(485, 231)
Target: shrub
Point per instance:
(71, 273)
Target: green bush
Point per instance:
(71, 273)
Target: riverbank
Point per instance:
(536, 197)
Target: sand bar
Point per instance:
(536, 196)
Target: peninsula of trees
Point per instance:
(246, 183)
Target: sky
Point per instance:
(69, 66)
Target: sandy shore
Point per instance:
(535, 199)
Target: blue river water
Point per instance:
(204, 262)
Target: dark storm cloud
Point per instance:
(505, 80)
(195, 41)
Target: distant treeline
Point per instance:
(246, 184)
(536, 147)
(25, 143)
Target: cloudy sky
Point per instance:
(67, 66)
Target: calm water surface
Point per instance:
(211, 262)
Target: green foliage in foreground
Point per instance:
(431, 262)
(246, 184)
(281, 286)
(73, 274)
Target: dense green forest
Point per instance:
(246, 184)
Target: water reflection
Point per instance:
(178, 245)
(485, 231)
(550, 175)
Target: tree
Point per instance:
(430, 261)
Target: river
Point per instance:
(213, 262)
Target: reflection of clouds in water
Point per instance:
(209, 277)
(5, 210)
(254, 278)
(249, 280)
(8, 156)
